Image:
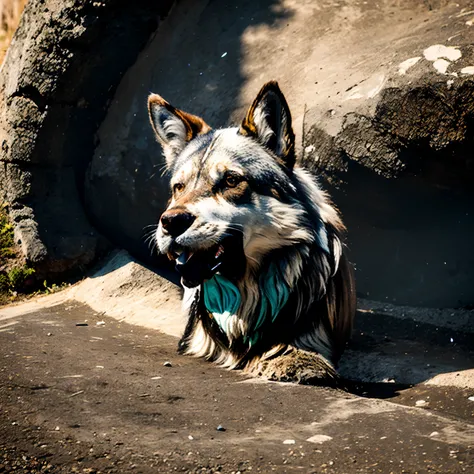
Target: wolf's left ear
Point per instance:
(173, 127)
(269, 121)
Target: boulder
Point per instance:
(56, 82)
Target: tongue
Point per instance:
(194, 267)
(183, 258)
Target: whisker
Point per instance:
(148, 232)
(154, 247)
(151, 244)
(149, 235)
(231, 227)
(162, 169)
(149, 238)
(236, 230)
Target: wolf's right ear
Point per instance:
(173, 127)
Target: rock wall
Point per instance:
(387, 131)
(382, 98)
(59, 75)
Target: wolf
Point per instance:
(257, 242)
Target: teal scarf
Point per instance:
(222, 299)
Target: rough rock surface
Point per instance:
(382, 99)
(55, 84)
(391, 139)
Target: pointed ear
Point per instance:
(173, 127)
(269, 121)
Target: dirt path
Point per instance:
(110, 397)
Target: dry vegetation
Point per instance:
(10, 12)
(13, 272)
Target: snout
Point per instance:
(175, 222)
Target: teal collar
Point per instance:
(222, 299)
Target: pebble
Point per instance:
(167, 364)
(289, 441)
(319, 439)
(471, 399)
(420, 403)
(220, 428)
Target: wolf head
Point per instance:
(236, 193)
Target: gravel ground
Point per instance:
(107, 397)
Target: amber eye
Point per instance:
(178, 187)
(231, 181)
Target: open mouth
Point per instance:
(195, 266)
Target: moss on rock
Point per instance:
(15, 276)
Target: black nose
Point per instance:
(176, 222)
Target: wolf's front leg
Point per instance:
(295, 365)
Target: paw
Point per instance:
(297, 366)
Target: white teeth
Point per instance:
(219, 252)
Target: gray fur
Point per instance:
(285, 217)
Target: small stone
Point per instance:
(220, 428)
(289, 441)
(420, 403)
(435, 433)
(190, 437)
(319, 439)
(50, 334)
(167, 364)
(471, 399)
(100, 323)
(57, 428)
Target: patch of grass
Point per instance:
(17, 280)
(6, 235)
(14, 279)
(15, 276)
